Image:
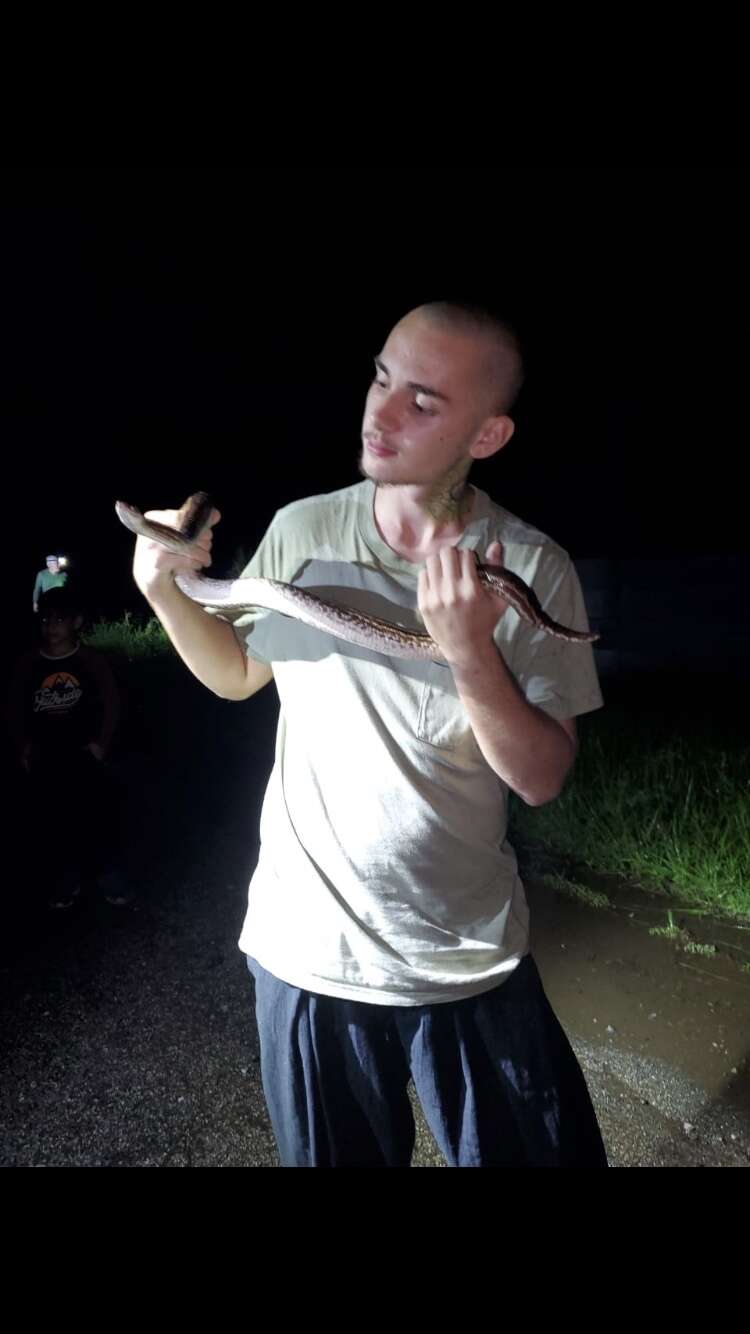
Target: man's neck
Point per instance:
(417, 521)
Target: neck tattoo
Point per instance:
(451, 499)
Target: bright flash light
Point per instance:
(62, 561)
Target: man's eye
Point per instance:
(419, 407)
(380, 383)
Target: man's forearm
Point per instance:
(526, 748)
(207, 646)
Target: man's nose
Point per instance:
(387, 412)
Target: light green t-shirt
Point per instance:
(384, 873)
(46, 580)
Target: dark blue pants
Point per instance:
(496, 1076)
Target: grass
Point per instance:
(663, 801)
(130, 638)
(563, 884)
(671, 931)
(698, 947)
(682, 938)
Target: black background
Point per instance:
(166, 330)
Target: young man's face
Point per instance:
(59, 631)
(53, 565)
(427, 404)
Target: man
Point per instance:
(52, 577)
(387, 929)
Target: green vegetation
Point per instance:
(661, 799)
(682, 938)
(670, 932)
(593, 898)
(130, 638)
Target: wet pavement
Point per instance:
(128, 1037)
(662, 1034)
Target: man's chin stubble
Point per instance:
(377, 481)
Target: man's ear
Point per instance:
(78, 622)
(493, 437)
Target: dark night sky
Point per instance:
(165, 330)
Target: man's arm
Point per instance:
(208, 647)
(530, 751)
(527, 749)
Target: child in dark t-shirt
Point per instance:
(64, 707)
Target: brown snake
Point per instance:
(239, 595)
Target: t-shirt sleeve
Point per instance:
(556, 675)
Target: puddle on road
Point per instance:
(615, 985)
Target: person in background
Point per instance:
(63, 710)
(51, 577)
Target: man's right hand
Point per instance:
(154, 566)
(207, 644)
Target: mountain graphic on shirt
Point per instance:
(58, 694)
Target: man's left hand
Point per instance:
(459, 612)
(96, 750)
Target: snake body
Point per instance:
(365, 630)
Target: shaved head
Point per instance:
(500, 347)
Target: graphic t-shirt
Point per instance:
(62, 698)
